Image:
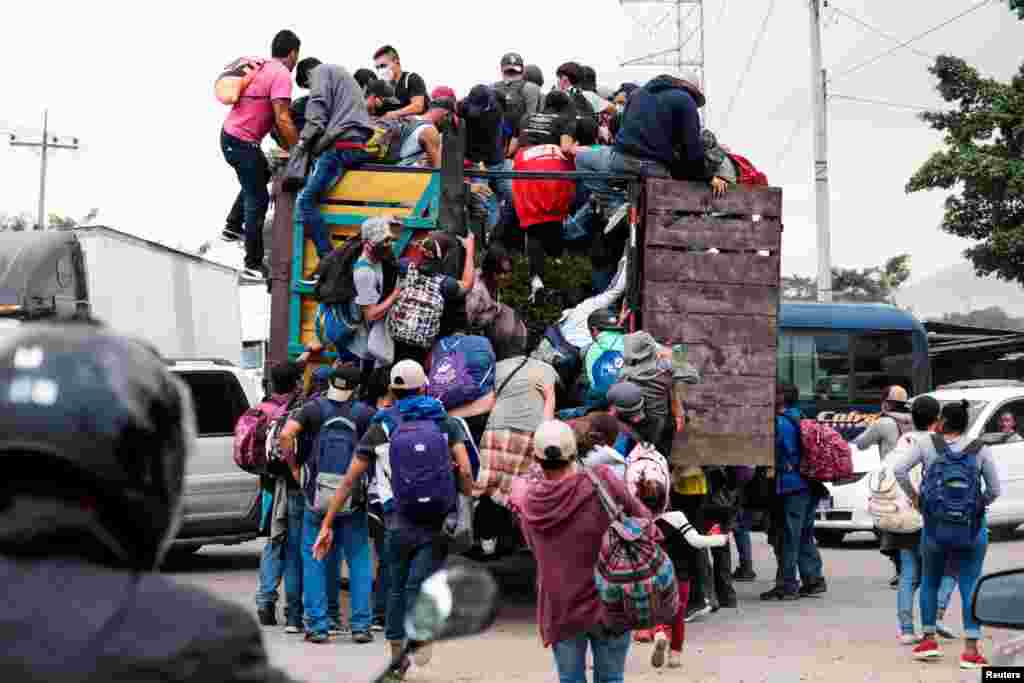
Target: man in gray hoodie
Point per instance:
(336, 132)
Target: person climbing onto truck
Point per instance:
(410, 88)
(264, 105)
(337, 129)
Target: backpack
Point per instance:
(889, 505)
(645, 462)
(415, 317)
(235, 78)
(555, 350)
(451, 380)
(274, 453)
(951, 496)
(515, 106)
(603, 366)
(336, 324)
(636, 582)
(250, 447)
(824, 455)
(334, 273)
(386, 139)
(422, 477)
(330, 458)
(746, 172)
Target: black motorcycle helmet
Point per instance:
(603, 319)
(94, 436)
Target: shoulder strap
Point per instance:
(511, 375)
(609, 505)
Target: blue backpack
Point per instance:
(331, 456)
(453, 380)
(422, 478)
(951, 496)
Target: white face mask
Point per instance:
(387, 74)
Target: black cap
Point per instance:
(345, 377)
(603, 319)
(381, 89)
(513, 61)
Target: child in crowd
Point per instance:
(681, 542)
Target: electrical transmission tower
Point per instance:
(674, 40)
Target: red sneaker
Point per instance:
(927, 649)
(972, 661)
(643, 635)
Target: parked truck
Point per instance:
(185, 307)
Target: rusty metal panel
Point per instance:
(726, 330)
(725, 435)
(282, 232)
(688, 197)
(665, 265)
(733, 359)
(707, 297)
(704, 232)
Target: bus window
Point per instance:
(880, 360)
(817, 363)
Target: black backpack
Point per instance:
(515, 106)
(335, 285)
(583, 108)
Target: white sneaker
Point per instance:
(660, 647)
(536, 285)
(675, 660)
(616, 218)
(423, 655)
(910, 639)
(293, 629)
(489, 545)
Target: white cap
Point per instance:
(408, 374)
(554, 441)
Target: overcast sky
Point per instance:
(136, 88)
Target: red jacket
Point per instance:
(542, 201)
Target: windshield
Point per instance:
(974, 410)
(252, 356)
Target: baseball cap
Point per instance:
(377, 229)
(512, 61)
(345, 379)
(408, 374)
(896, 394)
(442, 92)
(554, 441)
(477, 101)
(627, 399)
(381, 89)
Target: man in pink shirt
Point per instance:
(263, 105)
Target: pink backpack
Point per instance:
(250, 450)
(824, 455)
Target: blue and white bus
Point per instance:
(842, 356)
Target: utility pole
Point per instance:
(44, 146)
(821, 190)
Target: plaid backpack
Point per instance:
(635, 579)
(415, 318)
(824, 454)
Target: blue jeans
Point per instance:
(251, 204)
(609, 658)
(607, 160)
(322, 579)
(411, 561)
(969, 565)
(741, 533)
(283, 558)
(799, 551)
(502, 186)
(910, 577)
(328, 170)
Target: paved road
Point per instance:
(849, 635)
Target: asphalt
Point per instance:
(847, 635)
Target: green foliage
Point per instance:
(981, 163)
(850, 284)
(573, 273)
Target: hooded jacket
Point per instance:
(336, 109)
(787, 453)
(885, 432)
(660, 118)
(654, 375)
(68, 620)
(563, 522)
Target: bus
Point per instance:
(842, 356)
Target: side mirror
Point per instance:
(455, 602)
(999, 600)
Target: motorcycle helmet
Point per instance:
(94, 437)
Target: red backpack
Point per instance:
(746, 172)
(250, 450)
(824, 455)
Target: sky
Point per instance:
(136, 89)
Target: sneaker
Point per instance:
(615, 220)
(909, 639)
(927, 649)
(816, 587)
(423, 655)
(660, 647)
(397, 674)
(744, 575)
(894, 582)
(945, 631)
(536, 287)
(694, 613)
(789, 597)
(643, 635)
(774, 594)
(267, 616)
(972, 661)
(675, 660)
(293, 628)
(230, 235)
(317, 638)
(338, 630)
(362, 637)
(377, 625)
(254, 274)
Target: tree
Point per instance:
(877, 284)
(15, 222)
(981, 163)
(993, 317)
(24, 221)
(1018, 7)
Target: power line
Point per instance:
(878, 31)
(750, 63)
(916, 38)
(884, 103)
(788, 147)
